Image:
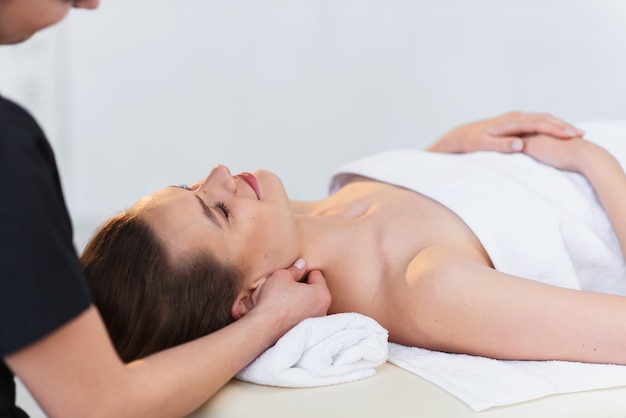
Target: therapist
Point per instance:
(51, 336)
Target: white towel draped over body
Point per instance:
(322, 351)
(534, 221)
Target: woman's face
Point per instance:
(21, 19)
(244, 219)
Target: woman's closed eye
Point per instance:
(222, 206)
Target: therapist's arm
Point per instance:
(503, 133)
(75, 371)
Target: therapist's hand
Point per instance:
(503, 133)
(288, 300)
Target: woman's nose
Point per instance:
(220, 179)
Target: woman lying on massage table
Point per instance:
(481, 253)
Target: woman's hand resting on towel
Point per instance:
(503, 133)
(288, 301)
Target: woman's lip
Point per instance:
(251, 180)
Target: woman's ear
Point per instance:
(242, 305)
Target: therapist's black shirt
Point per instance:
(42, 285)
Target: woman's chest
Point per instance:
(402, 223)
(397, 225)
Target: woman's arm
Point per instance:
(462, 306)
(503, 133)
(75, 371)
(601, 168)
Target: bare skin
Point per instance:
(435, 286)
(75, 371)
(388, 256)
(426, 278)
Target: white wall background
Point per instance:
(143, 94)
(146, 93)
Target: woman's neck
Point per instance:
(335, 234)
(343, 236)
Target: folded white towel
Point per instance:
(322, 351)
(483, 383)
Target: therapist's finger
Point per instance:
(315, 277)
(298, 269)
(320, 292)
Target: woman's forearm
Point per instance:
(607, 177)
(602, 170)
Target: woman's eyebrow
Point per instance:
(207, 210)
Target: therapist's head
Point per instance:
(21, 19)
(150, 298)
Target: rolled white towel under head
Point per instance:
(322, 351)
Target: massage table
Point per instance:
(394, 391)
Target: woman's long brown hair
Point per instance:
(148, 300)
